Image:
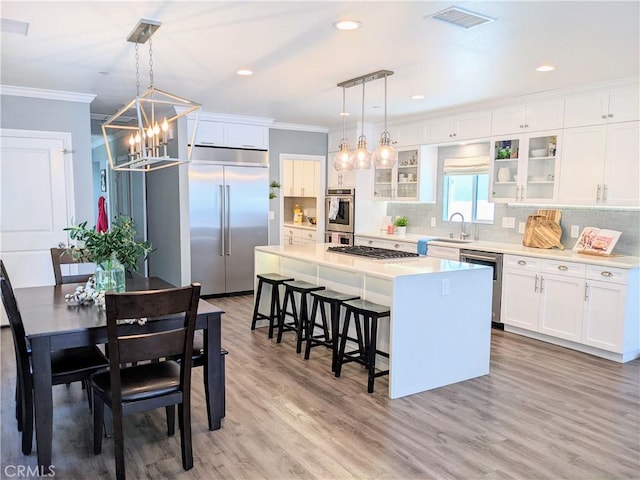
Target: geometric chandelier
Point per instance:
(155, 113)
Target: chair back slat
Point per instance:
(60, 256)
(136, 348)
(151, 303)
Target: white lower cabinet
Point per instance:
(585, 304)
(606, 308)
(449, 253)
(298, 236)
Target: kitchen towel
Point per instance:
(422, 246)
(333, 208)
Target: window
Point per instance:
(469, 195)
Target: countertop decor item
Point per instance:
(539, 152)
(401, 225)
(111, 251)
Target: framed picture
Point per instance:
(103, 180)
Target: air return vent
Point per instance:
(461, 18)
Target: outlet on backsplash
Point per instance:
(575, 231)
(433, 221)
(521, 226)
(508, 222)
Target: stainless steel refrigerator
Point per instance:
(228, 205)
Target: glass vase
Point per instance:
(110, 275)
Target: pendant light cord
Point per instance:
(362, 126)
(344, 115)
(137, 71)
(150, 62)
(385, 103)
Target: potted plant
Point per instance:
(112, 251)
(401, 225)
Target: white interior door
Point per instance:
(36, 195)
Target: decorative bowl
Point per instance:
(539, 152)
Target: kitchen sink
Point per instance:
(453, 240)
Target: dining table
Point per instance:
(52, 323)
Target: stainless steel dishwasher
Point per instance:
(493, 260)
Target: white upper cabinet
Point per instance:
(459, 127)
(408, 134)
(301, 178)
(600, 165)
(207, 133)
(246, 136)
(620, 104)
(530, 117)
(236, 135)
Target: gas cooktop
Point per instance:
(371, 252)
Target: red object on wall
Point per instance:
(103, 223)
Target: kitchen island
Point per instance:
(439, 332)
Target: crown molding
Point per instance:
(46, 94)
(299, 128)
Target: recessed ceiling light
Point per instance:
(545, 68)
(347, 25)
(344, 114)
(244, 72)
(417, 97)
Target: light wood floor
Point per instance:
(544, 412)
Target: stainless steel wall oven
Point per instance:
(340, 210)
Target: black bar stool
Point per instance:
(367, 329)
(299, 323)
(275, 280)
(320, 299)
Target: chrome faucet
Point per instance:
(463, 234)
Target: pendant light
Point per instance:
(341, 161)
(385, 156)
(154, 114)
(361, 157)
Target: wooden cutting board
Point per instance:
(554, 215)
(532, 221)
(547, 234)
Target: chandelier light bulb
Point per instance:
(385, 156)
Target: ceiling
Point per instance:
(298, 56)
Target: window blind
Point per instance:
(466, 165)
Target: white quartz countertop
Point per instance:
(304, 225)
(568, 255)
(318, 254)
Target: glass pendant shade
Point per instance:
(342, 161)
(361, 157)
(385, 156)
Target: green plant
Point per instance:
(401, 222)
(97, 246)
(273, 186)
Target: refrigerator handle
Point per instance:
(228, 223)
(221, 220)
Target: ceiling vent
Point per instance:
(462, 18)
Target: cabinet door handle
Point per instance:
(610, 115)
(517, 191)
(522, 193)
(521, 126)
(521, 262)
(397, 245)
(526, 125)
(586, 291)
(370, 242)
(598, 194)
(563, 268)
(535, 287)
(604, 116)
(604, 192)
(541, 284)
(606, 274)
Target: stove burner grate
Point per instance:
(372, 252)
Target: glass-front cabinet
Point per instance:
(411, 179)
(525, 168)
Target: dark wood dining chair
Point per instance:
(147, 386)
(67, 366)
(59, 257)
